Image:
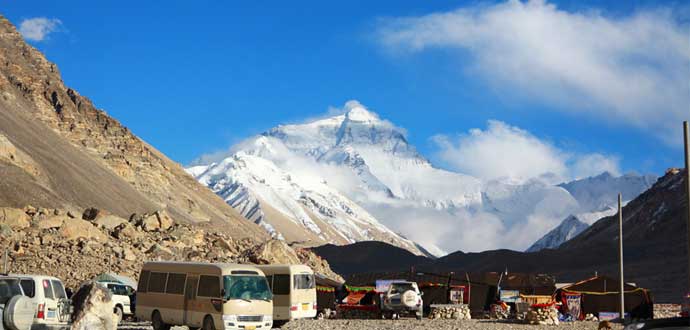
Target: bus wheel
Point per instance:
(208, 323)
(157, 322)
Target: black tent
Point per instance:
(327, 291)
(436, 287)
(601, 294)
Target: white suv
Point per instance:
(52, 305)
(402, 297)
(122, 304)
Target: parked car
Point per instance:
(16, 310)
(402, 297)
(123, 304)
(53, 308)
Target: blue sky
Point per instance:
(194, 77)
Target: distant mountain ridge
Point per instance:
(597, 197)
(355, 177)
(655, 248)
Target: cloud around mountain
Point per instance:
(504, 151)
(624, 69)
(500, 190)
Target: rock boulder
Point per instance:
(93, 308)
(14, 218)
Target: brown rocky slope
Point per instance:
(57, 150)
(78, 247)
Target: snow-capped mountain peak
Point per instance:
(356, 112)
(354, 176)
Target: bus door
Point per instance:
(189, 297)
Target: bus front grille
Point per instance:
(250, 318)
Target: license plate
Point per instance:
(249, 327)
(305, 307)
(51, 314)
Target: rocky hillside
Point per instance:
(58, 150)
(77, 247)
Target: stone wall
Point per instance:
(455, 312)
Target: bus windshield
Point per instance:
(246, 287)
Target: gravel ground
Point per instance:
(408, 324)
(426, 324)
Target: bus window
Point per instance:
(281, 284)
(157, 282)
(209, 286)
(143, 281)
(269, 279)
(175, 283)
(304, 281)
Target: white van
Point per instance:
(48, 292)
(122, 305)
(294, 291)
(206, 295)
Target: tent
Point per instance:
(601, 294)
(327, 291)
(436, 287)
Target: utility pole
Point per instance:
(469, 290)
(620, 255)
(686, 142)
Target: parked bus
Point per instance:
(206, 295)
(294, 291)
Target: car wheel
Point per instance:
(157, 322)
(119, 313)
(208, 323)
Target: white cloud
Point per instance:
(593, 164)
(38, 28)
(504, 151)
(633, 69)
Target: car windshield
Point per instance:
(8, 289)
(246, 287)
(401, 287)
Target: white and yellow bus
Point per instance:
(294, 291)
(206, 295)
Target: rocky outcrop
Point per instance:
(278, 252)
(14, 218)
(273, 252)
